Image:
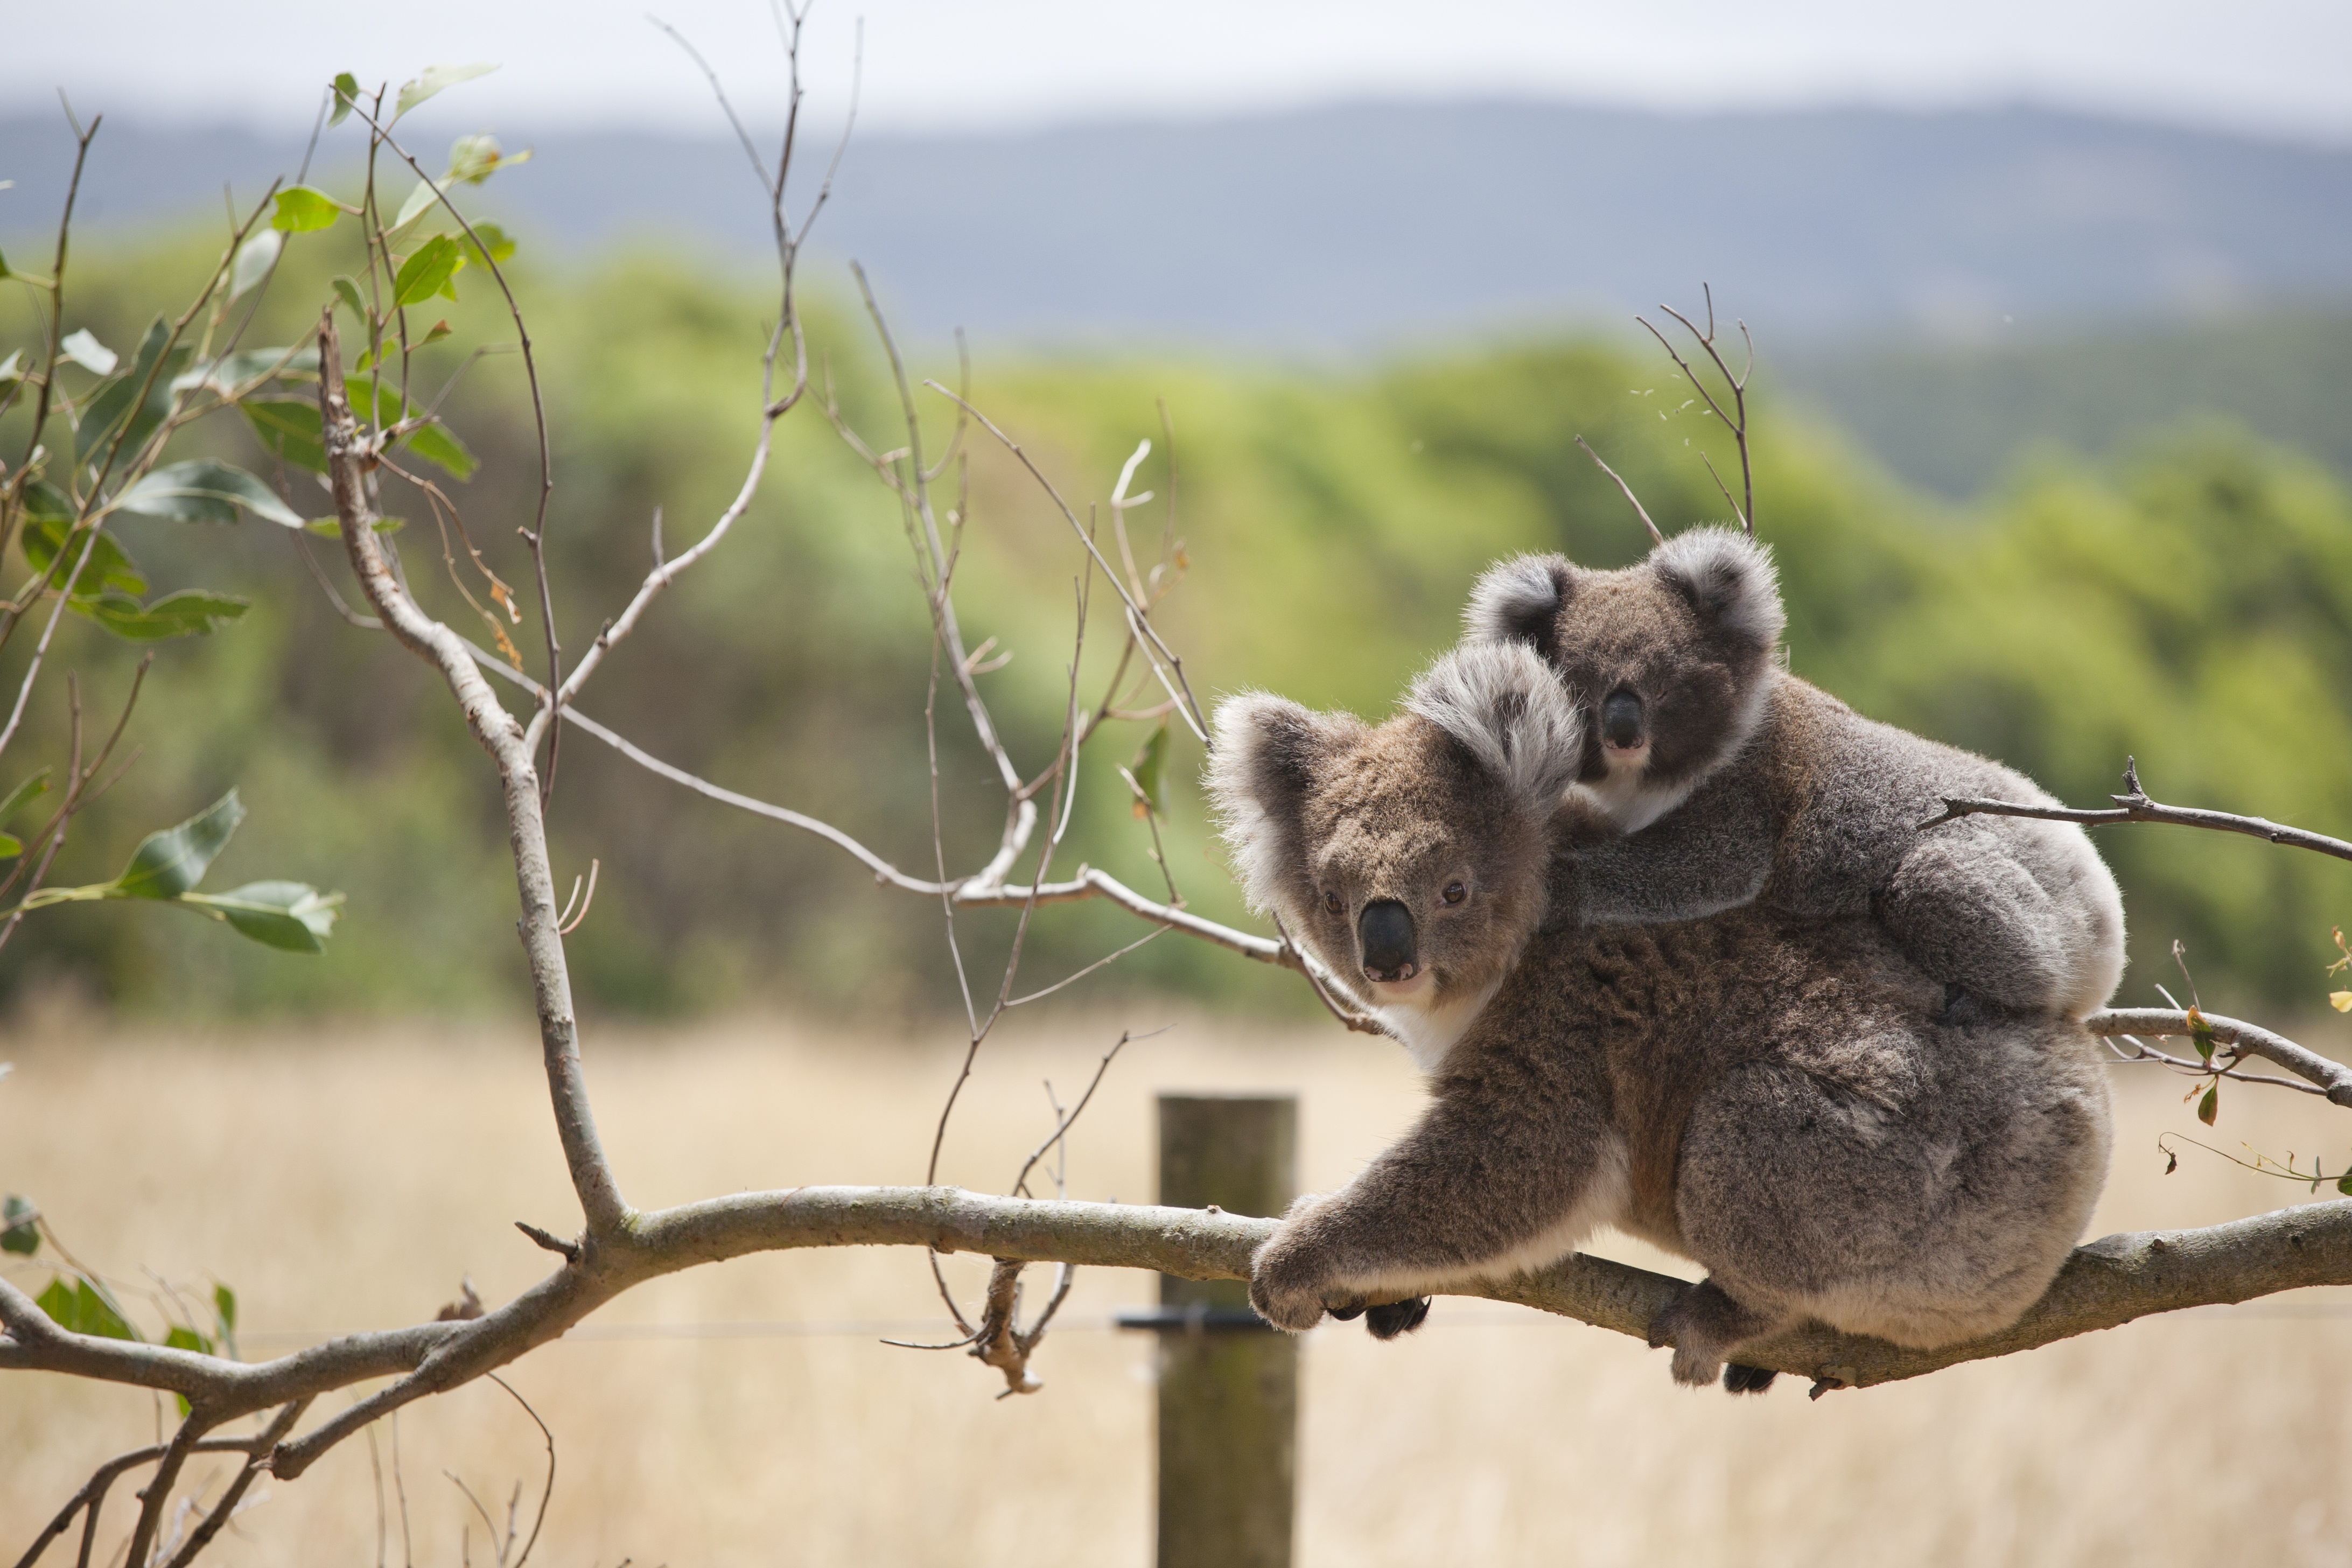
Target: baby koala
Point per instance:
(1772, 1095)
(1711, 779)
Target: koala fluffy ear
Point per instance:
(1263, 758)
(1503, 703)
(1728, 579)
(1520, 600)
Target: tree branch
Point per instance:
(347, 457)
(2134, 805)
(2242, 1038)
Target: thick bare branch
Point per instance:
(2134, 805)
(497, 732)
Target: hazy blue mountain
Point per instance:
(1950, 284)
(1350, 227)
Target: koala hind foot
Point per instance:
(1702, 1324)
(1386, 1323)
(1739, 1379)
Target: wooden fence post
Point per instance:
(1228, 1383)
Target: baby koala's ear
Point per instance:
(1728, 579)
(1503, 703)
(1520, 600)
(1264, 757)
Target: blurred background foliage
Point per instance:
(2189, 602)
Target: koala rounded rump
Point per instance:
(1799, 1119)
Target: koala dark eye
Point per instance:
(1331, 901)
(1454, 893)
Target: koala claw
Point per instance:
(1739, 1379)
(1347, 1314)
(1386, 1323)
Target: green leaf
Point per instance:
(108, 565)
(302, 209)
(428, 272)
(474, 159)
(2201, 1034)
(88, 352)
(170, 862)
(493, 240)
(183, 1338)
(255, 258)
(347, 95)
(425, 193)
(231, 374)
(332, 527)
(224, 1308)
(293, 916)
(433, 442)
(190, 612)
(291, 428)
(18, 798)
(44, 500)
(205, 490)
(20, 1235)
(114, 400)
(347, 291)
(2210, 1106)
(433, 80)
(2344, 1184)
(1148, 767)
(81, 1309)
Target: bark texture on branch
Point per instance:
(2106, 1283)
(349, 458)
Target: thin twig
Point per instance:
(2134, 805)
(1627, 490)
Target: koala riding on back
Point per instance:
(1711, 779)
(1776, 1097)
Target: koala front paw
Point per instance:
(1292, 1278)
(1702, 1324)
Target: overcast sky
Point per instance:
(2278, 66)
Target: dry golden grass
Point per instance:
(343, 1179)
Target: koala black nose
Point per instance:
(1386, 929)
(1620, 719)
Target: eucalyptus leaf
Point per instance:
(293, 916)
(474, 159)
(10, 847)
(13, 367)
(190, 612)
(153, 371)
(34, 787)
(1147, 768)
(205, 490)
(172, 861)
(434, 79)
(17, 1233)
(347, 95)
(425, 193)
(232, 372)
(224, 1308)
(432, 442)
(81, 1309)
(291, 428)
(110, 566)
(428, 272)
(255, 258)
(88, 352)
(301, 210)
(495, 240)
(183, 1338)
(44, 500)
(348, 291)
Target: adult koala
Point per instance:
(1711, 779)
(1774, 1097)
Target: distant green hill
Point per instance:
(1956, 420)
(2190, 603)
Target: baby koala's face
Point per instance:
(1409, 856)
(1670, 660)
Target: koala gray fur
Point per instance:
(1749, 785)
(1772, 1095)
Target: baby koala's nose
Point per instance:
(1385, 929)
(1620, 719)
